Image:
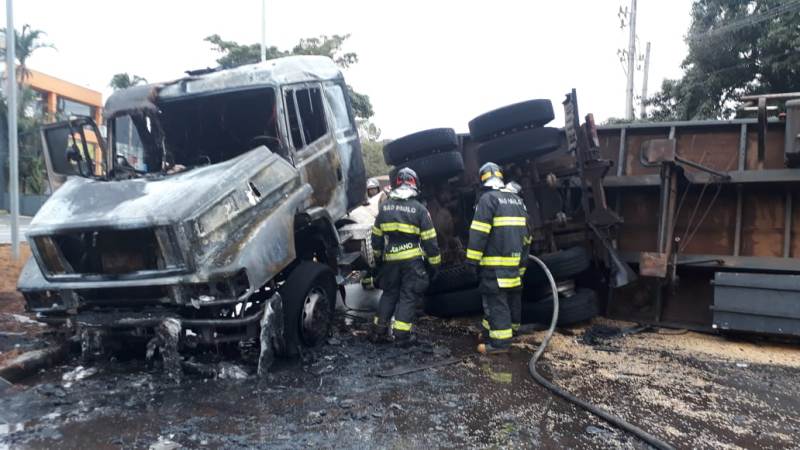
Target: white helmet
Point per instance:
(491, 176)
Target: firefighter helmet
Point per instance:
(491, 176)
(406, 177)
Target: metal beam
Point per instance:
(787, 225)
(726, 262)
(737, 234)
(623, 152)
(742, 146)
(685, 123)
(744, 177)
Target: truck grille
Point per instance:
(107, 252)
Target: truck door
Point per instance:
(73, 148)
(342, 122)
(314, 146)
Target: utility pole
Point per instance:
(631, 62)
(13, 151)
(263, 30)
(643, 112)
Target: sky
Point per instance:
(424, 64)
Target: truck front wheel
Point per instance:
(309, 299)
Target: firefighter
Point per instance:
(499, 240)
(403, 238)
(373, 187)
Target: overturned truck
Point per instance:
(687, 224)
(214, 203)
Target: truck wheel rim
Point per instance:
(316, 315)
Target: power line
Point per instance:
(779, 10)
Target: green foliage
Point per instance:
(125, 80)
(26, 42)
(32, 173)
(736, 48)
(330, 46)
(373, 158)
(362, 107)
(234, 54)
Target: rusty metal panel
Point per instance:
(763, 221)
(715, 235)
(717, 149)
(774, 157)
(656, 151)
(633, 143)
(639, 231)
(609, 145)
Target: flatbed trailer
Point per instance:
(711, 220)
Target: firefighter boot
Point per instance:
(379, 334)
(404, 339)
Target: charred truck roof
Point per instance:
(206, 191)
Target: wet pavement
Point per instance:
(337, 396)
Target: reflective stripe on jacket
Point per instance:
(499, 238)
(403, 231)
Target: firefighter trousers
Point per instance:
(502, 309)
(403, 284)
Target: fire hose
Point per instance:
(552, 387)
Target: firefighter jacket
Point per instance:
(499, 237)
(404, 231)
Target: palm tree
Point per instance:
(125, 80)
(26, 42)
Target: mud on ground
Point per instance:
(693, 390)
(18, 331)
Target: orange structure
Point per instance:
(58, 99)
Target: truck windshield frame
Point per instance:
(197, 130)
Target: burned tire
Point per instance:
(542, 291)
(465, 302)
(309, 299)
(525, 144)
(579, 308)
(452, 279)
(438, 166)
(418, 144)
(367, 253)
(564, 264)
(531, 113)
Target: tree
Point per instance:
(736, 48)
(372, 148)
(235, 54)
(125, 80)
(31, 163)
(373, 158)
(26, 42)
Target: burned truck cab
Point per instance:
(207, 194)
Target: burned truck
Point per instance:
(212, 204)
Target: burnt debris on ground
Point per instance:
(726, 395)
